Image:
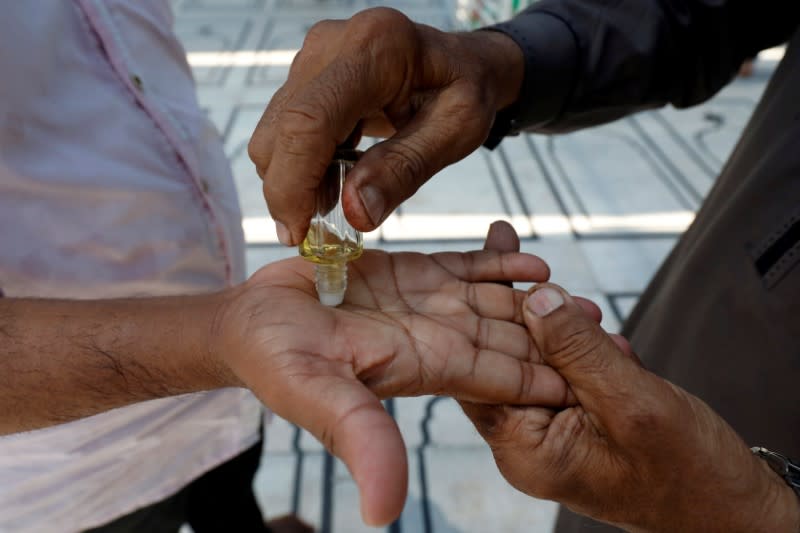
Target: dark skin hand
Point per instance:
(637, 451)
(433, 95)
(410, 324)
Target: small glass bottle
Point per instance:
(331, 241)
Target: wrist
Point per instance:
(210, 322)
(505, 64)
(781, 509)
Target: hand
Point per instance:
(410, 324)
(636, 451)
(434, 94)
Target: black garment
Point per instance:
(721, 318)
(219, 501)
(592, 61)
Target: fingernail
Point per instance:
(544, 301)
(373, 202)
(283, 234)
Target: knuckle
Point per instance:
(407, 166)
(314, 53)
(578, 342)
(255, 153)
(317, 35)
(257, 146)
(464, 106)
(272, 195)
(464, 97)
(372, 25)
(299, 127)
(299, 61)
(526, 382)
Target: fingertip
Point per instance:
(546, 267)
(373, 203)
(543, 300)
(382, 479)
(354, 210)
(374, 452)
(284, 235)
(502, 237)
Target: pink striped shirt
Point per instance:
(112, 183)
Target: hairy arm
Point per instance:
(66, 359)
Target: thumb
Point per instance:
(443, 131)
(352, 424)
(597, 370)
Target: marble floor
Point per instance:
(603, 206)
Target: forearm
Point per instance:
(65, 359)
(589, 62)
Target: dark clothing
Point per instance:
(721, 318)
(219, 501)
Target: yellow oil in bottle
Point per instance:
(331, 241)
(325, 245)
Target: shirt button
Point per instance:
(204, 186)
(137, 82)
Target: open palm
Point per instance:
(410, 324)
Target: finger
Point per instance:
(502, 237)
(590, 308)
(491, 377)
(327, 108)
(474, 374)
(311, 125)
(505, 337)
(443, 131)
(603, 378)
(320, 43)
(494, 321)
(494, 300)
(378, 125)
(352, 424)
(488, 266)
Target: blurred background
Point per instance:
(603, 207)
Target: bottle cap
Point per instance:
(330, 299)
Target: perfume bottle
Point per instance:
(331, 241)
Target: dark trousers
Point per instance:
(221, 500)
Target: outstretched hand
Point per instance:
(432, 94)
(411, 324)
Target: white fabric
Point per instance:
(110, 190)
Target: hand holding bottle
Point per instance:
(433, 94)
(410, 324)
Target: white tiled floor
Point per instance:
(603, 207)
